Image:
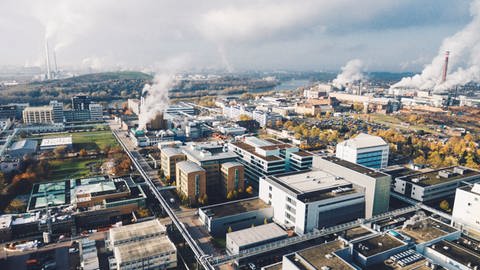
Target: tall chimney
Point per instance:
(445, 67)
(47, 55)
(55, 60)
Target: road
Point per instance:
(185, 219)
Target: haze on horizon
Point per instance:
(387, 35)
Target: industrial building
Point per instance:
(81, 102)
(258, 235)
(466, 208)
(141, 246)
(437, 184)
(191, 180)
(268, 157)
(304, 201)
(367, 150)
(235, 215)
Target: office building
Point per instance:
(141, 246)
(169, 158)
(466, 209)
(375, 184)
(96, 111)
(367, 150)
(433, 185)
(81, 103)
(88, 254)
(57, 107)
(232, 178)
(38, 115)
(191, 181)
(8, 111)
(304, 201)
(255, 236)
(210, 156)
(268, 157)
(76, 115)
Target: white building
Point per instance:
(39, 115)
(367, 150)
(142, 246)
(134, 105)
(309, 200)
(433, 185)
(268, 157)
(466, 209)
(52, 143)
(96, 111)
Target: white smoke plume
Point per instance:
(351, 72)
(464, 61)
(155, 96)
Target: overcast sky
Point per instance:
(387, 35)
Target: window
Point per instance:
(197, 185)
(270, 188)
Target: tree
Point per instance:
(230, 195)
(16, 206)
(244, 117)
(83, 153)
(358, 107)
(3, 183)
(60, 151)
(265, 221)
(229, 230)
(444, 205)
(420, 160)
(249, 190)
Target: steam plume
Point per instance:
(351, 72)
(464, 47)
(155, 96)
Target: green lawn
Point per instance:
(72, 168)
(91, 140)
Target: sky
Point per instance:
(235, 35)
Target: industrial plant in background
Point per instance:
(51, 69)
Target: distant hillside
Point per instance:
(101, 86)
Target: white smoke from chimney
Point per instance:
(464, 62)
(155, 96)
(351, 72)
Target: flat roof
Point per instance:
(355, 167)
(251, 150)
(207, 152)
(171, 151)
(235, 207)
(137, 250)
(377, 244)
(275, 266)
(303, 153)
(24, 144)
(231, 164)
(257, 234)
(433, 178)
(356, 232)
(426, 230)
(457, 253)
(312, 185)
(56, 141)
(323, 255)
(364, 140)
(136, 230)
(5, 221)
(189, 166)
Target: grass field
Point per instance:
(91, 140)
(72, 168)
(394, 121)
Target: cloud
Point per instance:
(233, 35)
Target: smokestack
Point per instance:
(55, 60)
(47, 55)
(445, 67)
